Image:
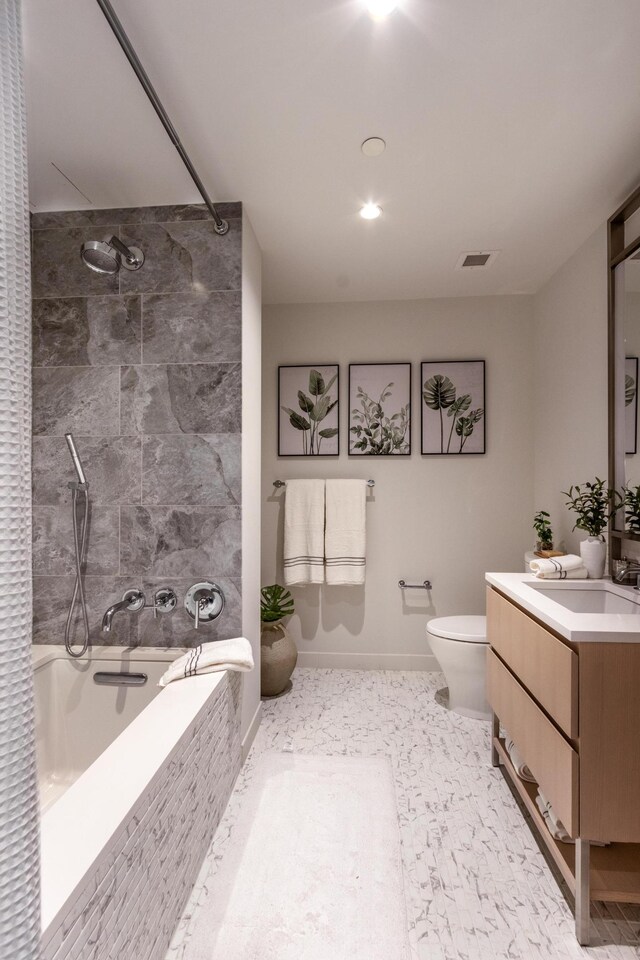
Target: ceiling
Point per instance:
(510, 126)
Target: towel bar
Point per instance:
(425, 585)
(283, 483)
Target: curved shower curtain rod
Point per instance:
(221, 226)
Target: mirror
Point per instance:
(627, 317)
(624, 370)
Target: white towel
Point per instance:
(518, 763)
(579, 574)
(304, 532)
(556, 827)
(211, 657)
(570, 567)
(345, 536)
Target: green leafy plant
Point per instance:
(594, 505)
(376, 433)
(439, 393)
(317, 406)
(542, 527)
(631, 500)
(276, 602)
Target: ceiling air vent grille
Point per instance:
(476, 259)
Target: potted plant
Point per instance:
(594, 504)
(542, 527)
(278, 652)
(631, 500)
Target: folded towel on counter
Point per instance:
(211, 657)
(570, 567)
(518, 763)
(304, 532)
(579, 574)
(345, 535)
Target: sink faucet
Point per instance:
(629, 566)
(132, 600)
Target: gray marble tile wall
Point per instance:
(145, 369)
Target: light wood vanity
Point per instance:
(573, 710)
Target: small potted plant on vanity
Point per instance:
(594, 504)
(278, 652)
(631, 501)
(544, 533)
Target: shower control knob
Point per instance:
(164, 601)
(204, 602)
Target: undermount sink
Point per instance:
(589, 601)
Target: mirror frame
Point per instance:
(617, 252)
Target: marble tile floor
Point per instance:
(477, 886)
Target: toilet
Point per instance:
(459, 644)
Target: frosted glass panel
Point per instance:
(20, 914)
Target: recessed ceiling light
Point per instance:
(373, 147)
(370, 211)
(379, 9)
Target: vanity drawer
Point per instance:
(550, 758)
(546, 666)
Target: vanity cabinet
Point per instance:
(573, 710)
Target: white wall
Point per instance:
(570, 392)
(251, 502)
(445, 518)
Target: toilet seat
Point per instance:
(466, 629)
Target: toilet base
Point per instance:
(473, 714)
(464, 667)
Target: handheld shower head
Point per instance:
(107, 257)
(75, 456)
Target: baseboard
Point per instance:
(369, 661)
(249, 736)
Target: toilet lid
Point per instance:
(470, 629)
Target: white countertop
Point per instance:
(576, 627)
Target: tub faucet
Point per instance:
(132, 600)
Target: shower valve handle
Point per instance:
(204, 602)
(164, 601)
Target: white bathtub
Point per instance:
(77, 719)
(134, 780)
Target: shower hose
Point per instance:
(80, 542)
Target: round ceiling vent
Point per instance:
(373, 147)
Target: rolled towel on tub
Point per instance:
(570, 567)
(211, 657)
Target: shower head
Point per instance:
(75, 456)
(108, 256)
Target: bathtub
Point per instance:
(134, 779)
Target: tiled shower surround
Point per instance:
(145, 369)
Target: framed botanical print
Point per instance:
(453, 407)
(379, 409)
(308, 411)
(631, 404)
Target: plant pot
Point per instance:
(593, 551)
(278, 657)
